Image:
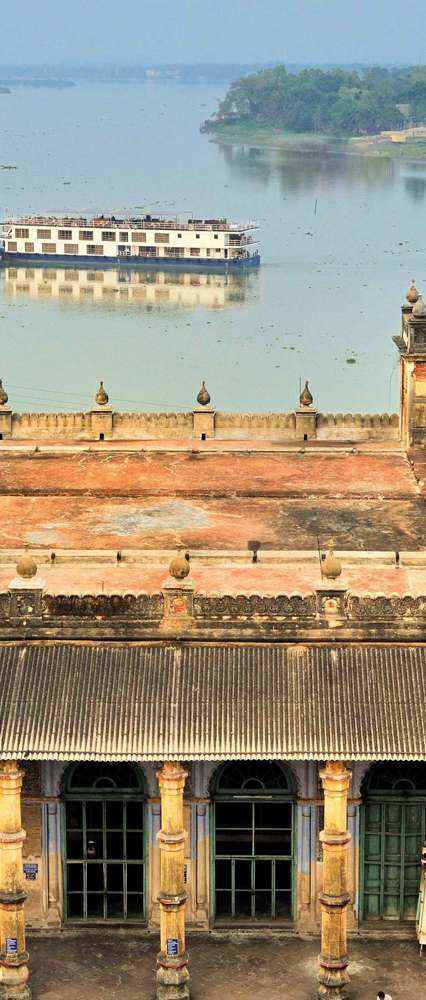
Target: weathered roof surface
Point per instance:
(210, 498)
(208, 702)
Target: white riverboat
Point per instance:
(148, 240)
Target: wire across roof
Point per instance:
(209, 702)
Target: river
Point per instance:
(341, 238)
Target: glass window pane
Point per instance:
(114, 815)
(223, 904)
(283, 905)
(94, 844)
(134, 842)
(135, 878)
(263, 875)
(283, 875)
(95, 877)
(75, 878)
(272, 842)
(115, 878)
(223, 874)
(95, 905)
(243, 874)
(94, 812)
(75, 905)
(273, 814)
(74, 813)
(135, 906)
(115, 906)
(243, 904)
(135, 815)
(74, 844)
(115, 846)
(234, 814)
(239, 842)
(263, 904)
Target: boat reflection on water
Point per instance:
(112, 287)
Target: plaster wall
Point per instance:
(225, 426)
(41, 819)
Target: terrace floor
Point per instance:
(118, 966)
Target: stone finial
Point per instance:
(412, 294)
(306, 398)
(203, 397)
(101, 397)
(26, 566)
(3, 395)
(331, 567)
(179, 566)
(419, 308)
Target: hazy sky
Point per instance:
(143, 31)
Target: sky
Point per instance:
(50, 32)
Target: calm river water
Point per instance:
(340, 239)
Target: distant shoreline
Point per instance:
(267, 137)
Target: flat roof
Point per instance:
(150, 495)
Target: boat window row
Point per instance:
(107, 235)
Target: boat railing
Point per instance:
(133, 223)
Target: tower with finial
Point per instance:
(411, 344)
(203, 415)
(5, 413)
(306, 416)
(101, 415)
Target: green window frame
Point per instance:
(104, 854)
(253, 862)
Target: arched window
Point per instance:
(397, 776)
(253, 819)
(393, 829)
(104, 844)
(258, 776)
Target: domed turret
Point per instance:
(203, 397)
(179, 566)
(26, 566)
(101, 397)
(412, 294)
(306, 398)
(331, 567)
(3, 395)
(419, 309)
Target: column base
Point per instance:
(13, 986)
(333, 984)
(172, 979)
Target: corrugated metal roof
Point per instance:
(207, 702)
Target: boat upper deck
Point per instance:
(133, 222)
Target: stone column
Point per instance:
(13, 956)
(334, 898)
(172, 961)
(53, 861)
(155, 861)
(202, 862)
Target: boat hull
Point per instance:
(159, 263)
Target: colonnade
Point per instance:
(172, 960)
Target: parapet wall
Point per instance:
(109, 425)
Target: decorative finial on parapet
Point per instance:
(331, 567)
(419, 309)
(306, 398)
(203, 397)
(26, 566)
(101, 397)
(179, 566)
(3, 395)
(412, 294)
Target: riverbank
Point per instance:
(268, 137)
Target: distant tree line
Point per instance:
(336, 101)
